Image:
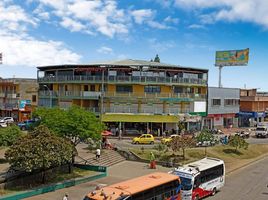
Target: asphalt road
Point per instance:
(248, 183)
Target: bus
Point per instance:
(201, 178)
(155, 186)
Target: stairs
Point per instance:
(107, 159)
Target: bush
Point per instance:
(9, 135)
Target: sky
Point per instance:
(182, 32)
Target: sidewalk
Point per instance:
(119, 172)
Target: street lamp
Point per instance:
(50, 95)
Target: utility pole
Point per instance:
(220, 68)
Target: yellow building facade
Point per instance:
(128, 94)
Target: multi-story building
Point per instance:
(18, 97)
(253, 107)
(223, 106)
(128, 94)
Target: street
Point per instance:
(248, 183)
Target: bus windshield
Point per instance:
(186, 183)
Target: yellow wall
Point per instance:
(111, 88)
(166, 89)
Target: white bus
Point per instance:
(201, 178)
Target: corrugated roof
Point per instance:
(126, 62)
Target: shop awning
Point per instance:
(139, 118)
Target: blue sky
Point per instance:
(183, 32)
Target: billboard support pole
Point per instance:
(220, 68)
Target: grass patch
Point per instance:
(233, 159)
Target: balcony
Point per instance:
(70, 94)
(115, 95)
(171, 111)
(8, 95)
(161, 96)
(123, 80)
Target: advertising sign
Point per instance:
(23, 104)
(232, 58)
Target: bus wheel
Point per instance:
(196, 197)
(213, 192)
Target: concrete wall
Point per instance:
(222, 93)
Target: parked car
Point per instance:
(243, 134)
(144, 139)
(168, 140)
(26, 125)
(3, 124)
(7, 120)
(205, 143)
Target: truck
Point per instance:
(262, 130)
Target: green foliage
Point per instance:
(74, 123)
(205, 136)
(181, 126)
(160, 148)
(157, 59)
(182, 143)
(39, 150)
(9, 135)
(238, 142)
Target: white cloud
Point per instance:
(160, 46)
(89, 16)
(157, 25)
(169, 19)
(105, 50)
(196, 26)
(255, 11)
(140, 16)
(20, 49)
(72, 25)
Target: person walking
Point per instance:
(98, 152)
(120, 134)
(65, 197)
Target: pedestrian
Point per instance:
(116, 131)
(120, 134)
(152, 161)
(98, 154)
(65, 197)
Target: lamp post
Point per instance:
(50, 96)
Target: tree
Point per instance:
(9, 135)
(205, 137)
(157, 59)
(39, 150)
(74, 123)
(237, 142)
(182, 143)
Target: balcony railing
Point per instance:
(136, 111)
(121, 79)
(8, 95)
(97, 95)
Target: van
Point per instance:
(261, 131)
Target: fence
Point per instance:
(57, 186)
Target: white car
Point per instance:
(3, 125)
(7, 120)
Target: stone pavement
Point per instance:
(116, 173)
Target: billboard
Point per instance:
(232, 58)
(23, 104)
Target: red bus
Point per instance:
(155, 186)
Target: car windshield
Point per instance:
(186, 183)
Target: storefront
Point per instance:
(249, 119)
(220, 121)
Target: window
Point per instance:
(216, 102)
(178, 89)
(92, 87)
(85, 87)
(152, 89)
(124, 88)
(33, 98)
(231, 102)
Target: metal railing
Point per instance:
(96, 95)
(122, 79)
